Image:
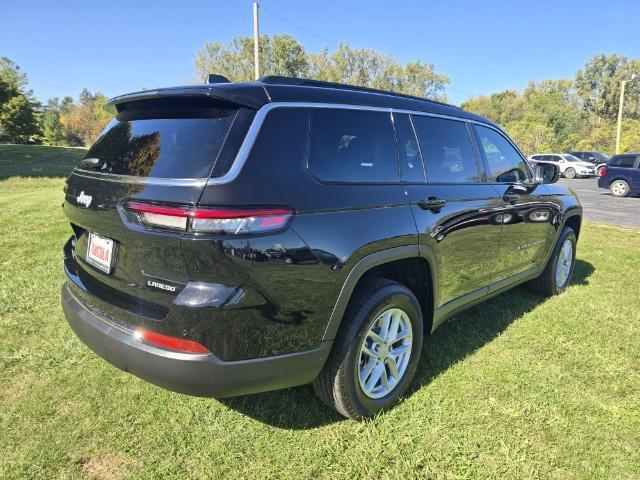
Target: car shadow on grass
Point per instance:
(299, 408)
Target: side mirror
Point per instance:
(546, 173)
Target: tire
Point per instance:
(549, 283)
(619, 188)
(339, 384)
(570, 173)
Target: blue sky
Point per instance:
(485, 46)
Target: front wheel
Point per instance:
(619, 188)
(570, 173)
(376, 352)
(556, 275)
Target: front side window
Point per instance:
(446, 150)
(504, 163)
(352, 146)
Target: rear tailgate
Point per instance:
(155, 151)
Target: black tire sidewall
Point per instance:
(399, 299)
(567, 171)
(567, 233)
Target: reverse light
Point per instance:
(204, 220)
(171, 343)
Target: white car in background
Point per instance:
(570, 166)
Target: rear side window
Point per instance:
(504, 163)
(626, 161)
(446, 149)
(169, 144)
(352, 146)
(411, 169)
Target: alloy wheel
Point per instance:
(385, 353)
(563, 265)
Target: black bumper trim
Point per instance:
(201, 375)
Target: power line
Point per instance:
(300, 27)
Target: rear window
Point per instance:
(352, 146)
(169, 144)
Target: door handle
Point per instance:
(511, 197)
(432, 203)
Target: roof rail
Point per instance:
(308, 82)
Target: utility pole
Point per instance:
(256, 41)
(618, 130)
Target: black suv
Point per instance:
(236, 238)
(599, 159)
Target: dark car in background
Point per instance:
(599, 159)
(235, 238)
(621, 175)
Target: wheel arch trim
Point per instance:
(363, 266)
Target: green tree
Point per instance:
(284, 55)
(18, 119)
(598, 85)
(279, 55)
(12, 81)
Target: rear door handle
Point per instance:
(432, 203)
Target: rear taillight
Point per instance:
(171, 343)
(603, 171)
(204, 220)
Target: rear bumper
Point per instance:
(193, 374)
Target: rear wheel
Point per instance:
(556, 275)
(619, 188)
(570, 173)
(376, 352)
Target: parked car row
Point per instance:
(621, 175)
(571, 166)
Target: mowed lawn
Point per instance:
(519, 387)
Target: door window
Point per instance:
(504, 163)
(446, 150)
(352, 146)
(411, 169)
(627, 161)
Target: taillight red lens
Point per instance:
(171, 343)
(603, 171)
(204, 220)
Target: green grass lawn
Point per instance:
(38, 160)
(519, 387)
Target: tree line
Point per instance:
(550, 115)
(65, 122)
(565, 115)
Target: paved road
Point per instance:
(602, 207)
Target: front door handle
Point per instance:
(432, 203)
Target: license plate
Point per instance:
(100, 252)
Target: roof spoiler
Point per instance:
(206, 90)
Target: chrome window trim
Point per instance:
(252, 135)
(112, 177)
(254, 129)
